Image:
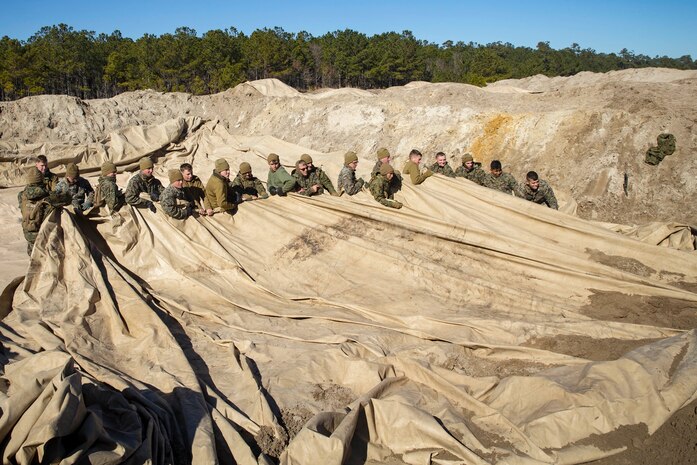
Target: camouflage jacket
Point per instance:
(445, 171)
(306, 182)
(174, 202)
(194, 190)
(348, 182)
(380, 188)
(504, 183)
(80, 191)
(109, 193)
(322, 179)
(249, 187)
(476, 174)
(219, 196)
(280, 179)
(35, 204)
(415, 174)
(543, 195)
(376, 169)
(139, 184)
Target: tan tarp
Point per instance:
(403, 336)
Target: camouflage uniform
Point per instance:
(80, 191)
(543, 195)
(174, 202)
(445, 170)
(320, 177)
(195, 191)
(380, 188)
(306, 183)
(376, 170)
(281, 180)
(109, 193)
(35, 204)
(249, 187)
(476, 174)
(504, 183)
(348, 182)
(396, 183)
(139, 183)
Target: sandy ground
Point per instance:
(582, 133)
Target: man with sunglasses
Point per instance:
(308, 184)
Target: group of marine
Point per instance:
(186, 195)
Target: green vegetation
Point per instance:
(61, 60)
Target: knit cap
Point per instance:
(245, 168)
(306, 158)
(386, 168)
(108, 168)
(72, 171)
(383, 153)
(272, 157)
(350, 157)
(467, 157)
(146, 163)
(34, 176)
(221, 164)
(174, 176)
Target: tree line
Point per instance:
(61, 60)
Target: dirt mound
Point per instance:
(586, 134)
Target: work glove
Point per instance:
(150, 206)
(155, 197)
(272, 190)
(397, 205)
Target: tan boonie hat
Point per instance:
(383, 153)
(245, 168)
(221, 164)
(72, 171)
(108, 168)
(174, 176)
(386, 168)
(34, 176)
(306, 158)
(467, 157)
(350, 157)
(145, 163)
(272, 157)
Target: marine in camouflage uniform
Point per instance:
(50, 179)
(347, 176)
(173, 199)
(380, 187)
(384, 158)
(539, 191)
(107, 192)
(35, 204)
(318, 175)
(248, 185)
(77, 187)
(470, 171)
(441, 166)
(145, 182)
(501, 181)
(309, 185)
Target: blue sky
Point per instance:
(605, 26)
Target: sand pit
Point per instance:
(468, 327)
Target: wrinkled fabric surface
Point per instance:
(136, 337)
